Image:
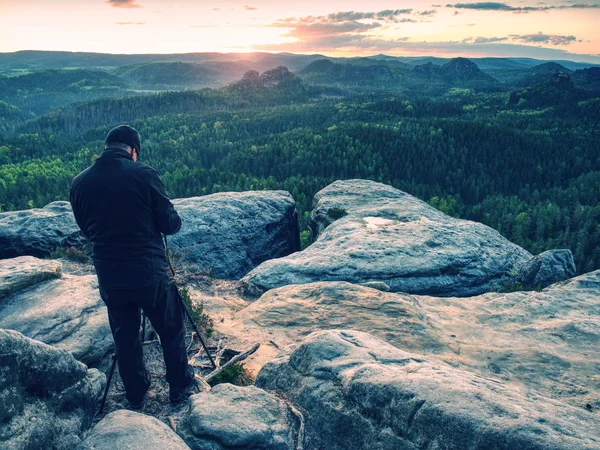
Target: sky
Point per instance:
(551, 29)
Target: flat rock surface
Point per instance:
(230, 233)
(544, 342)
(129, 430)
(360, 392)
(232, 417)
(47, 398)
(67, 313)
(38, 232)
(25, 271)
(391, 237)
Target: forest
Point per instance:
(517, 150)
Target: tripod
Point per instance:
(187, 314)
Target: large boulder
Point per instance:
(48, 398)
(230, 233)
(546, 342)
(370, 232)
(232, 417)
(129, 430)
(37, 232)
(20, 273)
(227, 234)
(67, 313)
(546, 268)
(360, 392)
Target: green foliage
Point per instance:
(306, 238)
(336, 213)
(236, 374)
(202, 320)
(532, 173)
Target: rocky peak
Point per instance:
(280, 77)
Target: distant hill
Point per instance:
(34, 60)
(357, 73)
(11, 115)
(587, 78)
(540, 74)
(385, 74)
(168, 75)
(559, 91)
(62, 80)
(40, 92)
(458, 72)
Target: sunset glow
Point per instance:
(545, 30)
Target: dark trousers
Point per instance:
(163, 307)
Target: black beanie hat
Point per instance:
(125, 134)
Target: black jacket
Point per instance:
(122, 208)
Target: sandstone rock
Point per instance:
(132, 431)
(227, 234)
(37, 232)
(389, 236)
(67, 313)
(231, 417)
(544, 342)
(20, 273)
(48, 398)
(230, 233)
(359, 392)
(547, 268)
(287, 315)
(364, 198)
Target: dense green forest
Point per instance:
(523, 158)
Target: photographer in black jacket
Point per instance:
(122, 208)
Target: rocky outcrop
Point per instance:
(230, 233)
(360, 392)
(227, 234)
(132, 431)
(370, 232)
(47, 398)
(546, 268)
(20, 273)
(67, 313)
(545, 342)
(232, 417)
(37, 232)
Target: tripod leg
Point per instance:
(110, 375)
(189, 316)
(143, 327)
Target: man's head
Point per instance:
(126, 138)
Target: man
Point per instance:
(122, 208)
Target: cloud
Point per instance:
(488, 40)
(387, 15)
(541, 38)
(497, 6)
(123, 3)
(429, 12)
(130, 23)
(249, 8)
